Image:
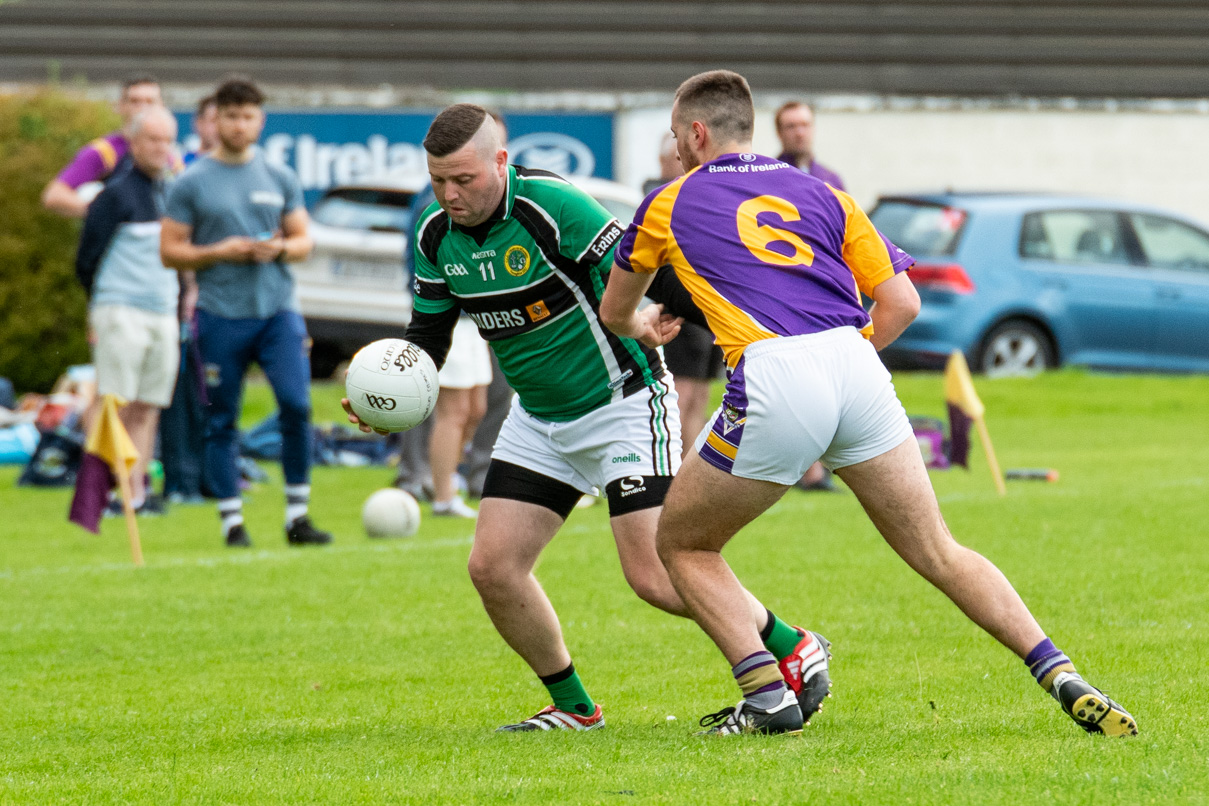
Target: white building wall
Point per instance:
(1153, 155)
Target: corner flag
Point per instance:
(109, 454)
(966, 408)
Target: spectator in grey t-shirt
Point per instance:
(237, 221)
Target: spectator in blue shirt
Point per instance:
(238, 221)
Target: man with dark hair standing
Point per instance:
(523, 253)
(98, 160)
(238, 221)
(795, 129)
(775, 259)
(205, 128)
(182, 424)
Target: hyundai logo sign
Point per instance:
(551, 151)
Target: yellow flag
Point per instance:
(959, 387)
(109, 439)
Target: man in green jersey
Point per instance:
(525, 254)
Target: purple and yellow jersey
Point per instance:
(766, 250)
(99, 160)
(96, 161)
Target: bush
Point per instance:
(43, 320)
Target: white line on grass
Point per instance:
(240, 558)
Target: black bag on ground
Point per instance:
(55, 460)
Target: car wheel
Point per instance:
(1016, 347)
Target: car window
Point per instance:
(923, 230)
(622, 211)
(357, 208)
(1170, 244)
(1074, 236)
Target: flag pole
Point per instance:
(996, 473)
(132, 526)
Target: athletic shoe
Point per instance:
(454, 508)
(237, 537)
(550, 718)
(303, 533)
(1091, 709)
(823, 485)
(418, 491)
(154, 505)
(807, 672)
(746, 718)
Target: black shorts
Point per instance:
(693, 354)
(625, 495)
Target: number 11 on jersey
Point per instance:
(486, 268)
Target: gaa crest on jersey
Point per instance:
(537, 311)
(732, 418)
(516, 260)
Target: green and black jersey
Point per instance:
(531, 277)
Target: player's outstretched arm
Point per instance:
(620, 314)
(895, 305)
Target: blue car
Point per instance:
(1024, 282)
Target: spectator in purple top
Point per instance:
(98, 160)
(795, 128)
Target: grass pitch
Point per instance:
(367, 672)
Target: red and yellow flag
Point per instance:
(966, 409)
(108, 454)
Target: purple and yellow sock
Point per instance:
(760, 680)
(1046, 662)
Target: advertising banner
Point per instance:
(338, 147)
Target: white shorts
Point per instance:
(137, 353)
(636, 436)
(791, 401)
(469, 363)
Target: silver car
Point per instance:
(353, 288)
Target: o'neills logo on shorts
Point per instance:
(632, 457)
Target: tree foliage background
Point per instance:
(43, 327)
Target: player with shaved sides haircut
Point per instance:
(777, 261)
(526, 254)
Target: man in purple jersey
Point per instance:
(98, 160)
(795, 129)
(777, 260)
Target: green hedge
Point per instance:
(42, 307)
